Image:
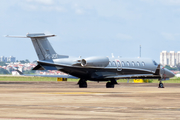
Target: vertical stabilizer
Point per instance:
(43, 47)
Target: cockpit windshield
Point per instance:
(154, 62)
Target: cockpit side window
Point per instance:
(154, 62)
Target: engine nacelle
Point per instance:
(95, 62)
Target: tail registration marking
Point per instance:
(49, 56)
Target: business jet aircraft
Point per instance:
(96, 68)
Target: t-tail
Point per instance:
(42, 46)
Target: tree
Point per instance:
(178, 66)
(3, 71)
(170, 68)
(3, 64)
(24, 61)
(27, 61)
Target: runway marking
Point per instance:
(75, 93)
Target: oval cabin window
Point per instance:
(109, 63)
(122, 63)
(133, 64)
(138, 63)
(119, 64)
(114, 63)
(128, 63)
(143, 64)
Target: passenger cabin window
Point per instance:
(119, 64)
(138, 63)
(154, 62)
(114, 63)
(122, 63)
(133, 63)
(128, 63)
(143, 64)
(109, 63)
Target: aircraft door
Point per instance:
(119, 66)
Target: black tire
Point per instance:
(109, 85)
(161, 85)
(83, 85)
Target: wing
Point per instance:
(59, 76)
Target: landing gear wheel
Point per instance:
(83, 85)
(109, 85)
(161, 85)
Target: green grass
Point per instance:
(50, 79)
(17, 78)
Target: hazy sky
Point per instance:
(91, 27)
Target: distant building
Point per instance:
(11, 59)
(7, 59)
(3, 59)
(169, 58)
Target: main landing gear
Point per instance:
(82, 83)
(161, 85)
(111, 83)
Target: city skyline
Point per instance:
(171, 58)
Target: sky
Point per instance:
(91, 27)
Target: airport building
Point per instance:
(169, 58)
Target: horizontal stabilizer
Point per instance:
(37, 35)
(40, 35)
(42, 46)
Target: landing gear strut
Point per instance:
(82, 83)
(111, 83)
(161, 85)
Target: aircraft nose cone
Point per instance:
(170, 74)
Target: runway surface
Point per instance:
(65, 101)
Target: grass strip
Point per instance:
(53, 79)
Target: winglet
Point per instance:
(18, 71)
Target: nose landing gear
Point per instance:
(161, 85)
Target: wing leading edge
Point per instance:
(59, 76)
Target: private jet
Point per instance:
(95, 68)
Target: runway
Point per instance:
(65, 101)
